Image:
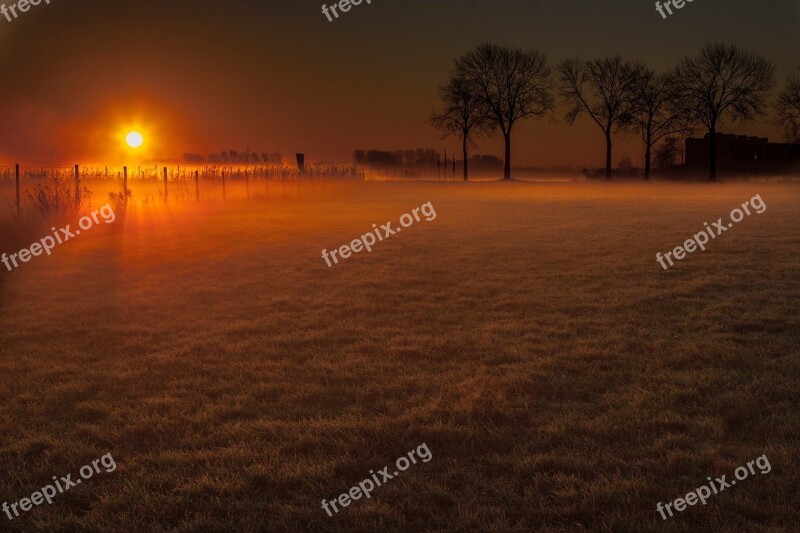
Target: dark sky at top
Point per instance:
(201, 76)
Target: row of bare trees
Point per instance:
(492, 88)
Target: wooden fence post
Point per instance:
(165, 184)
(16, 173)
(77, 186)
(125, 184)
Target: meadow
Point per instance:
(560, 378)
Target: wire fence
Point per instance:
(185, 172)
(22, 185)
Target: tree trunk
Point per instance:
(608, 154)
(464, 149)
(507, 166)
(647, 156)
(712, 153)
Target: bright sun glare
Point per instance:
(134, 139)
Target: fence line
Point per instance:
(177, 174)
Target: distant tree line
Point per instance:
(397, 158)
(492, 88)
(235, 157)
(485, 162)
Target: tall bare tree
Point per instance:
(656, 113)
(512, 85)
(788, 109)
(462, 114)
(609, 98)
(723, 83)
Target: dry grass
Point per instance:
(560, 378)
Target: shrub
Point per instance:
(52, 199)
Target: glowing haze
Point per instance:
(273, 75)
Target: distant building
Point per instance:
(742, 154)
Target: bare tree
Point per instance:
(656, 113)
(788, 109)
(512, 85)
(462, 114)
(612, 84)
(723, 83)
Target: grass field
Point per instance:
(560, 378)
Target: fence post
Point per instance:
(77, 186)
(165, 184)
(197, 185)
(16, 173)
(125, 184)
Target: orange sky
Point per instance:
(277, 76)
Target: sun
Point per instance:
(134, 139)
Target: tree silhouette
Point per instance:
(788, 109)
(656, 114)
(612, 84)
(512, 85)
(723, 82)
(462, 114)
